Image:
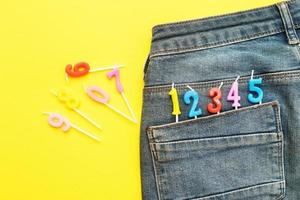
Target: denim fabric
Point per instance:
(249, 153)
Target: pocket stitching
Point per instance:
(276, 108)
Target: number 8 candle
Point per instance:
(174, 97)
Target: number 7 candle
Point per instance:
(116, 73)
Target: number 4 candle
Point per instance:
(233, 94)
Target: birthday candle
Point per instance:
(192, 95)
(255, 89)
(174, 97)
(116, 73)
(83, 68)
(73, 104)
(57, 121)
(216, 95)
(91, 92)
(233, 94)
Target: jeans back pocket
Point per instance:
(236, 154)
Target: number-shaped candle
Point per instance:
(57, 121)
(92, 92)
(216, 95)
(83, 68)
(72, 103)
(255, 89)
(190, 96)
(80, 69)
(233, 94)
(116, 73)
(174, 97)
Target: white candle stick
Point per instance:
(106, 68)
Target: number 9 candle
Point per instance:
(174, 97)
(83, 68)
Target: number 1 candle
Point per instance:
(174, 97)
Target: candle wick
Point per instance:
(190, 87)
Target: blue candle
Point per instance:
(192, 95)
(256, 93)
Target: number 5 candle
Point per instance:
(174, 97)
(255, 89)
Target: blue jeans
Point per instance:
(252, 152)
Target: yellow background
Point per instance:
(38, 38)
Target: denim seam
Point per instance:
(155, 172)
(212, 117)
(215, 138)
(259, 185)
(215, 44)
(276, 76)
(217, 17)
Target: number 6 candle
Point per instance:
(174, 97)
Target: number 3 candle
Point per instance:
(174, 97)
(216, 95)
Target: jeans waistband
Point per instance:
(226, 29)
